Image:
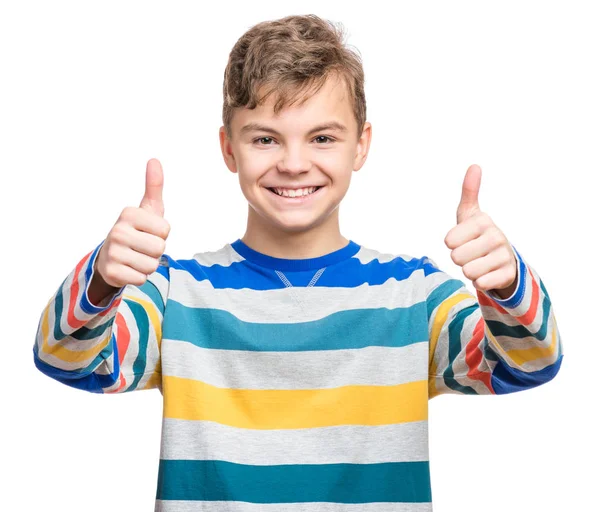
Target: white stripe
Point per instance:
(366, 255)
(224, 256)
(270, 306)
(355, 444)
(246, 369)
(242, 506)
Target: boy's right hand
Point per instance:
(134, 245)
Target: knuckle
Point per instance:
(162, 246)
(498, 237)
(127, 213)
(151, 266)
(468, 272)
(147, 265)
(140, 279)
(111, 253)
(118, 233)
(109, 273)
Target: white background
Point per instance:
(90, 91)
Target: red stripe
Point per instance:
(123, 339)
(474, 356)
(72, 320)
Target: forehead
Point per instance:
(331, 103)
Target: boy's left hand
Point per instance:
(478, 245)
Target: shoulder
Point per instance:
(371, 256)
(224, 257)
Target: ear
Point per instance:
(362, 146)
(227, 150)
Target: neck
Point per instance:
(279, 243)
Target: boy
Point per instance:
(295, 364)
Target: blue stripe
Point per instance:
(216, 480)
(219, 329)
(506, 379)
(78, 379)
(285, 264)
(348, 273)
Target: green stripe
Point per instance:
(215, 480)
(215, 328)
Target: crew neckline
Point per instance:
(264, 260)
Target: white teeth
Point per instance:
(295, 193)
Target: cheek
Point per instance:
(254, 164)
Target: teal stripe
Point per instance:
(143, 324)
(151, 291)
(441, 293)
(520, 331)
(455, 349)
(215, 480)
(83, 334)
(219, 329)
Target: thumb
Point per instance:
(152, 200)
(469, 201)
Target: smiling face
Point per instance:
(310, 144)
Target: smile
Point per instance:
(298, 198)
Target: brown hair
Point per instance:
(292, 56)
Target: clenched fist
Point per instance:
(135, 244)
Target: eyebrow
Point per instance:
(331, 125)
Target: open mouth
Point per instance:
(304, 196)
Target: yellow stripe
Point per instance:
(153, 381)
(440, 319)
(152, 312)
(433, 391)
(63, 353)
(76, 356)
(294, 408)
(524, 355)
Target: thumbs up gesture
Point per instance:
(135, 244)
(478, 245)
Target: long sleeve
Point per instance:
(113, 347)
(487, 345)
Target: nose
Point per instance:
(294, 159)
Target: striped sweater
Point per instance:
(297, 384)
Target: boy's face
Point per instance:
(290, 151)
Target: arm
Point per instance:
(106, 342)
(486, 344)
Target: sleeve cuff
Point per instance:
(85, 302)
(515, 299)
